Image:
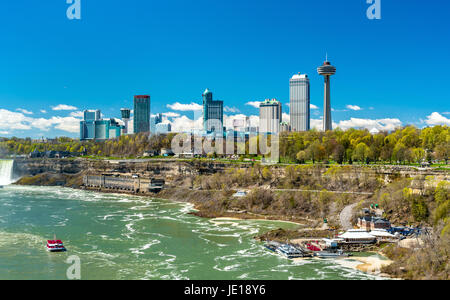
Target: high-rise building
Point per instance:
(92, 115)
(126, 114)
(327, 70)
(212, 113)
(95, 128)
(299, 102)
(163, 128)
(141, 117)
(270, 116)
(87, 126)
(285, 127)
(154, 120)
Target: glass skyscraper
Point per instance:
(212, 113)
(299, 102)
(95, 128)
(141, 118)
(163, 128)
(87, 126)
(154, 120)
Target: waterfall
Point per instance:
(6, 171)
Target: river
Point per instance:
(130, 237)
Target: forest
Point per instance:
(407, 145)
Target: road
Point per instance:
(346, 216)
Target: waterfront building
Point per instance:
(383, 236)
(212, 114)
(270, 116)
(141, 118)
(357, 236)
(299, 94)
(371, 223)
(163, 128)
(327, 70)
(154, 120)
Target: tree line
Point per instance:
(404, 145)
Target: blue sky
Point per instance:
(394, 68)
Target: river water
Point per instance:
(129, 237)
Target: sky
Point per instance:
(390, 72)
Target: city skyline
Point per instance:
(45, 88)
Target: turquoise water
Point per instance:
(128, 237)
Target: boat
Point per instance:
(55, 246)
(272, 246)
(331, 254)
(289, 251)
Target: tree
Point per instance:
(418, 154)
(316, 151)
(361, 152)
(301, 157)
(339, 154)
(442, 152)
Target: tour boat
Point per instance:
(272, 246)
(290, 251)
(55, 246)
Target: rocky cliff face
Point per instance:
(172, 169)
(145, 168)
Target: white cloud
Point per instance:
(185, 107)
(77, 114)
(43, 111)
(171, 114)
(380, 124)
(354, 107)
(184, 124)
(14, 120)
(69, 124)
(64, 107)
(312, 106)
(286, 117)
(437, 119)
(230, 109)
(255, 104)
(317, 124)
(4, 132)
(24, 111)
(18, 121)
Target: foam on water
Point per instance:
(130, 237)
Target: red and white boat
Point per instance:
(55, 246)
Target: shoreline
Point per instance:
(370, 265)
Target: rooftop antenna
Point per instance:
(326, 56)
